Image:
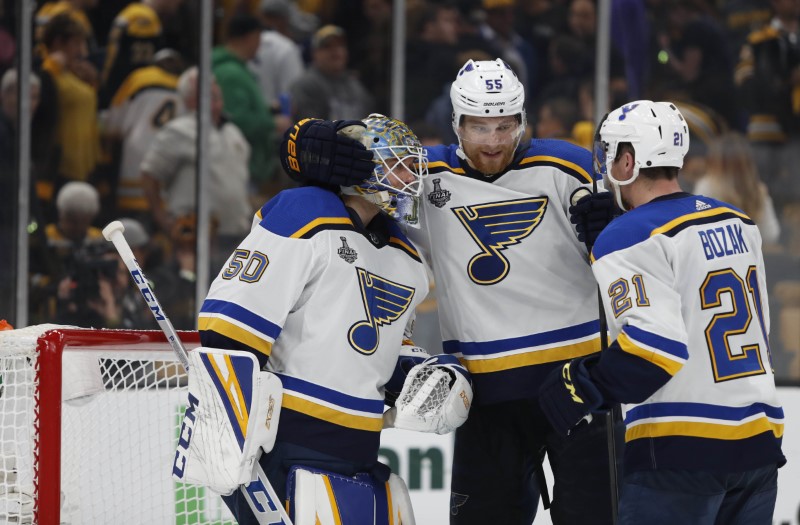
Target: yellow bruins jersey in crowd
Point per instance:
(134, 38)
(143, 104)
(515, 290)
(325, 305)
(686, 301)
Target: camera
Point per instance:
(88, 266)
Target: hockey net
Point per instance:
(89, 421)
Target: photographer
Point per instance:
(73, 275)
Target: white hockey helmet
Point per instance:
(657, 132)
(396, 147)
(487, 88)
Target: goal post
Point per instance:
(89, 420)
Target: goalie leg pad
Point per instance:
(319, 497)
(232, 411)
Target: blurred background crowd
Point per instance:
(114, 98)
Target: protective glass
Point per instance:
(600, 151)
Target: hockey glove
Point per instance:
(591, 214)
(568, 396)
(314, 152)
(436, 397)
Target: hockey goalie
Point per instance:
(305, 338)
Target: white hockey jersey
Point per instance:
(686, 301)
(325, 308)
(515, 290)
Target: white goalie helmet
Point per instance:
(657, 132)
(487, 88)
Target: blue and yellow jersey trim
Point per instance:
(236, 323)
(665, 353)
(530, 350)
(332, 406)
(301, 213)
(702, 420)
(663, 217)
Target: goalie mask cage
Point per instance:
(89, 421)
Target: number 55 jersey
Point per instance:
(686, 301)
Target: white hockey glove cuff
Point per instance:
(233, 410)
(436, 396)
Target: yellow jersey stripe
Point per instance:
(668, 365)
(693, 216)
(704, 430)
(235, 332)
(547, 158)
(534, 357)
(319, 222)
(331, 415)
(400, 242)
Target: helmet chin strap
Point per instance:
(616, 184)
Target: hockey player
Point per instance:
(685, 295)
(515, 292)
(322, 293)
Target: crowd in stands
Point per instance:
(114, 92)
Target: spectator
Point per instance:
(75, 8)
(168, 169)
(244, 103)
(70, 283)
(431, 51)
(76, 133)
(143, 104)
(327, 90)
(133, 40)
(278, 62)
(498, 30)
(769, 78)
(557, 118)
(732, 177)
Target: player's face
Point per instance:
(489, 142)
(400, 173)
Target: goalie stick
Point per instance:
(114, 232)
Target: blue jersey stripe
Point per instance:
(241, 314)
(331, 396)
(515, 343)
(669, 346)
(703, 410)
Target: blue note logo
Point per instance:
(384, 302)
(495, 226)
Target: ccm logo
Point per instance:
(184, 438)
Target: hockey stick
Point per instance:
(259, 484)
(610, 415)
(113, 232)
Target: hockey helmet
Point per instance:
(397, 152)
(657, 132)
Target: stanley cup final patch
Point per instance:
(346, 252)
(438, 197)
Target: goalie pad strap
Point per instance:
(233, 410)
(320, 497)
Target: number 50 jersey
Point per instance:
(325, 306)
(686, 301)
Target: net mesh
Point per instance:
(121, 409)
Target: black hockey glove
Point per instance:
(567, 396)
(591, 214)
(313, 152)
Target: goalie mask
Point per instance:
(657, 132)
(488, 88)
(400, 165)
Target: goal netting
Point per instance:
(89, 421)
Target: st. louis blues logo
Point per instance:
(495, 226)
(438, 197)
(346, 252)
(384, 302)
